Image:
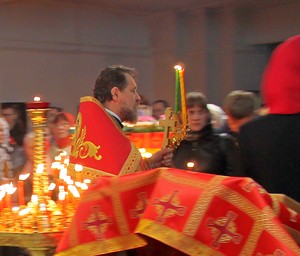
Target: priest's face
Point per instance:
(129, 101)
(197, 118)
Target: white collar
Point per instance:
(113, 114)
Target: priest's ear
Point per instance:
(115, 92)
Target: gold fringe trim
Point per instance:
(175, 239)
(87, 172)
(117, 244)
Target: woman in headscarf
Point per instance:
(60, 130)
(202, 150)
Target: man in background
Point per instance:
(159, 108)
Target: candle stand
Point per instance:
(37, 226)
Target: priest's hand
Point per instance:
(162, 158)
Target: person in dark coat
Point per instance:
(202, 149)
(239, 107)
(270, 145)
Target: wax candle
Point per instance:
(8, 197)
(2, 195)
(177, 88)
(78, 169)
(37, 104)
(21, 180)
(51, 188)
(183, 98)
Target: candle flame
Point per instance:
(40, 168)
(34, 198)
(78, 168)
(61, 195)
(43, 207)
(87, 181)
(84, 186)
(178, 67)
(15, 209)
(11, 189)
(57, 158)
(2, 194)
(52, 186)
(63, 173)
(37, 98)
(190, 164)
(24, 212)
(74, 191)
(24, 176)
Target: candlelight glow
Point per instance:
(84, 186)
(11, 189)
(37, 98)
(57, 158)
(190, 164)
(24, 211)
(78, 184)
(24, 176)
(178, 67)
(74, 191)
(55, 165)
(142, 150)
(15, 209)
(52, 186)
(87, 181)
(62, 193)
(78, 167)
(2, 194)
(43, 207)
(40, 168)
(34, 198)
(63, 173)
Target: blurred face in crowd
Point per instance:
(158, 109)
(10, 115)
(61, 129)
(197, 118)
(1, 133)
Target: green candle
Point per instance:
(177, 89)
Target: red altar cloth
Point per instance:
(192, 213)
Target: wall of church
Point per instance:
(225, 48)
(56, 48)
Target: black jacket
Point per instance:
(207, 151)
(270, 150)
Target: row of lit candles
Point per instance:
(64, 183)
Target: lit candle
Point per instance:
(51, 188)
(10, 190)
(37, 104)
(177, 88)
(183, 99)
(78, 170)
(2, 195)
(40, 168)
(22, 177)
(190, 164)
